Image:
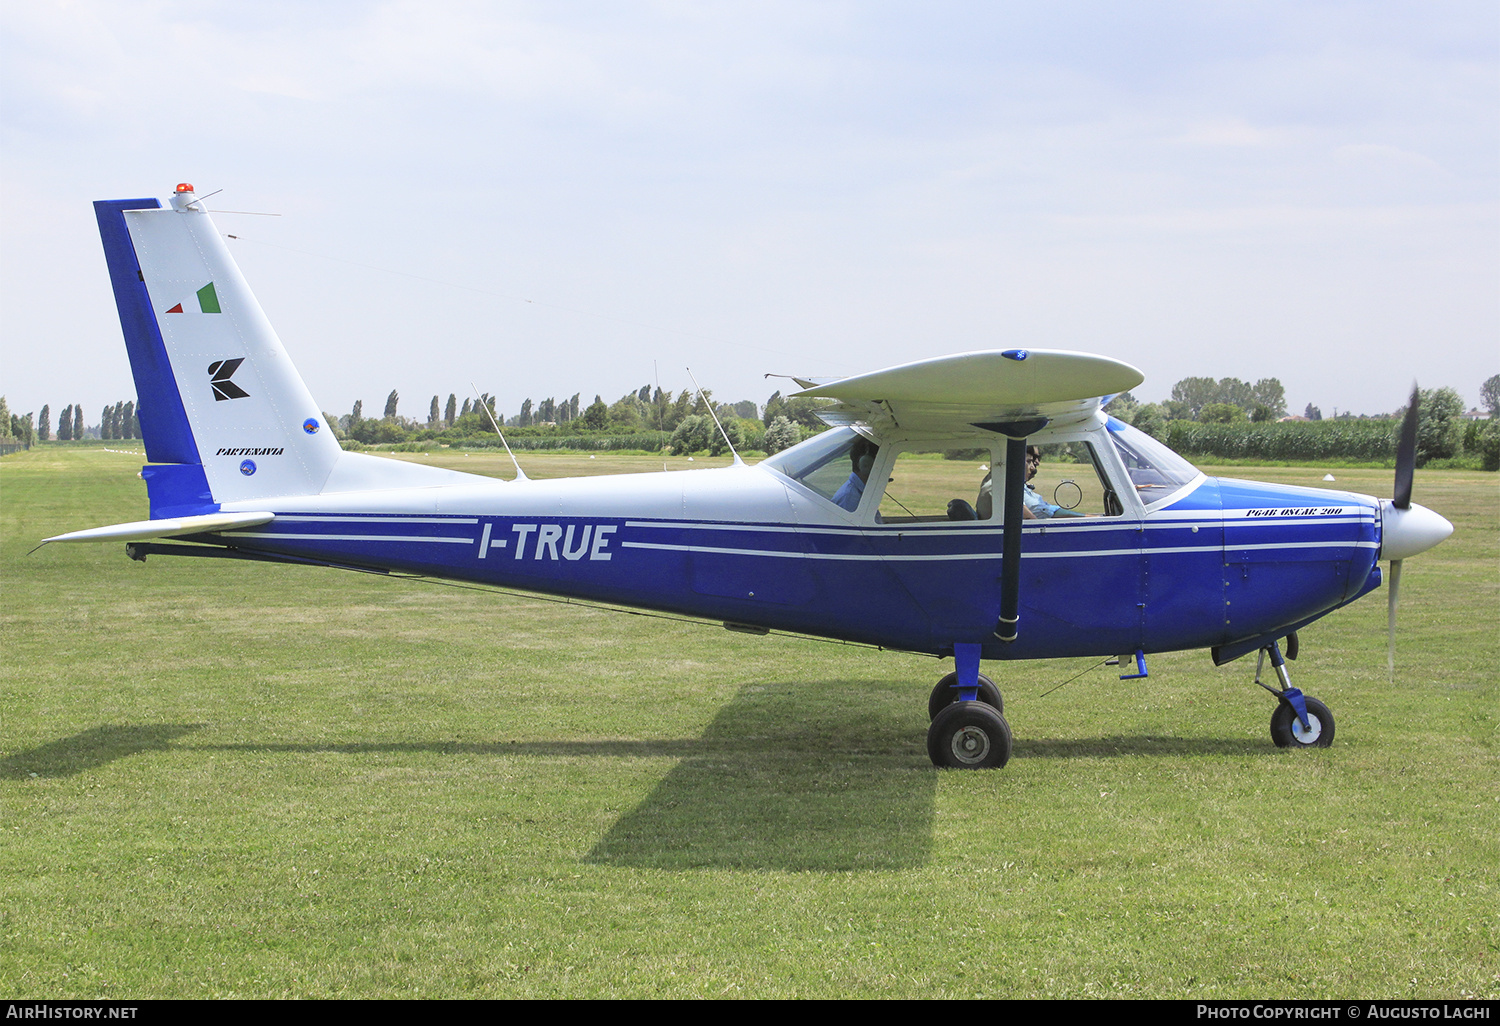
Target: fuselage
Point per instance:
(1222, 562)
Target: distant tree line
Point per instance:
(1232, 419)
(683, 423)
(1204, 417)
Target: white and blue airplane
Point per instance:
(1136, 552)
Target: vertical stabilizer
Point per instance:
(222, 407)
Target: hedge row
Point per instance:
(1373, 440)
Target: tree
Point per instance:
(390, 405)
(357, 414)
(625, 412)
(1440, 425)
(105, 428)
(77, 421)
(1123, 407)
(1269, 393)
(1489, 395)
(1221, 413)
(782, 434)
(450, 413)
(65, 424)
(596, 416)
(130, 427)
(1149, 418)
(1196, 393)
(726, 436)
(525, 420)
(1175, 409)
(44, 423)
(434, 417)
(1312, 412)
(693, 434)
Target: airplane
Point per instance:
(909, 524)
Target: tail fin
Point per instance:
(224, 414)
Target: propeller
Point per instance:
(1406, 466)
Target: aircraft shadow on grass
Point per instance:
(778, 780)
(91, 749)
(784, 779)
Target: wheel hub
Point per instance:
(970, 744)
(1312, 733)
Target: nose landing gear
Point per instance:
(1300, 721)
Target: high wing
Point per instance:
(976, 393)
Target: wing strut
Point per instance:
(1010, 566)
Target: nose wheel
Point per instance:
(1288, 731)
(1300, 721)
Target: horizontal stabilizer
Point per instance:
(141, 530)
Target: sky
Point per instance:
(553, 197)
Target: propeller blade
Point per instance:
(1406, 453)
(1390, 624)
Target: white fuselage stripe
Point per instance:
(278, 536)
(374, 519)
(938, 557)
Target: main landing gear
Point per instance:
(1299, 721)
(968, 730)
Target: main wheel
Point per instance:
(969, 735)
(1287, 732)
(945, 694)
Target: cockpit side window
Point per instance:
(936, 486)
(1066, 480)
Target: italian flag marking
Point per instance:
(205, 300)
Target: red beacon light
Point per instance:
(184, 187)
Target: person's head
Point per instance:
(862, 455)
(1033, 461)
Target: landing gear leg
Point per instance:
(968, 730)
(1299, 721)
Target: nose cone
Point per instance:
(1406, 532)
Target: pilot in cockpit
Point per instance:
(862, 457)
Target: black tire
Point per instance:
(969, 735)
(944, 695)
(1287, 732)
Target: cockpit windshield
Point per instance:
(821, 463)
(1155, 470)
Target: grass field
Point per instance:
(252, 780)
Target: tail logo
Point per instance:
(205, 300)
(220, 371)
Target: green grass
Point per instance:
(255, 780)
